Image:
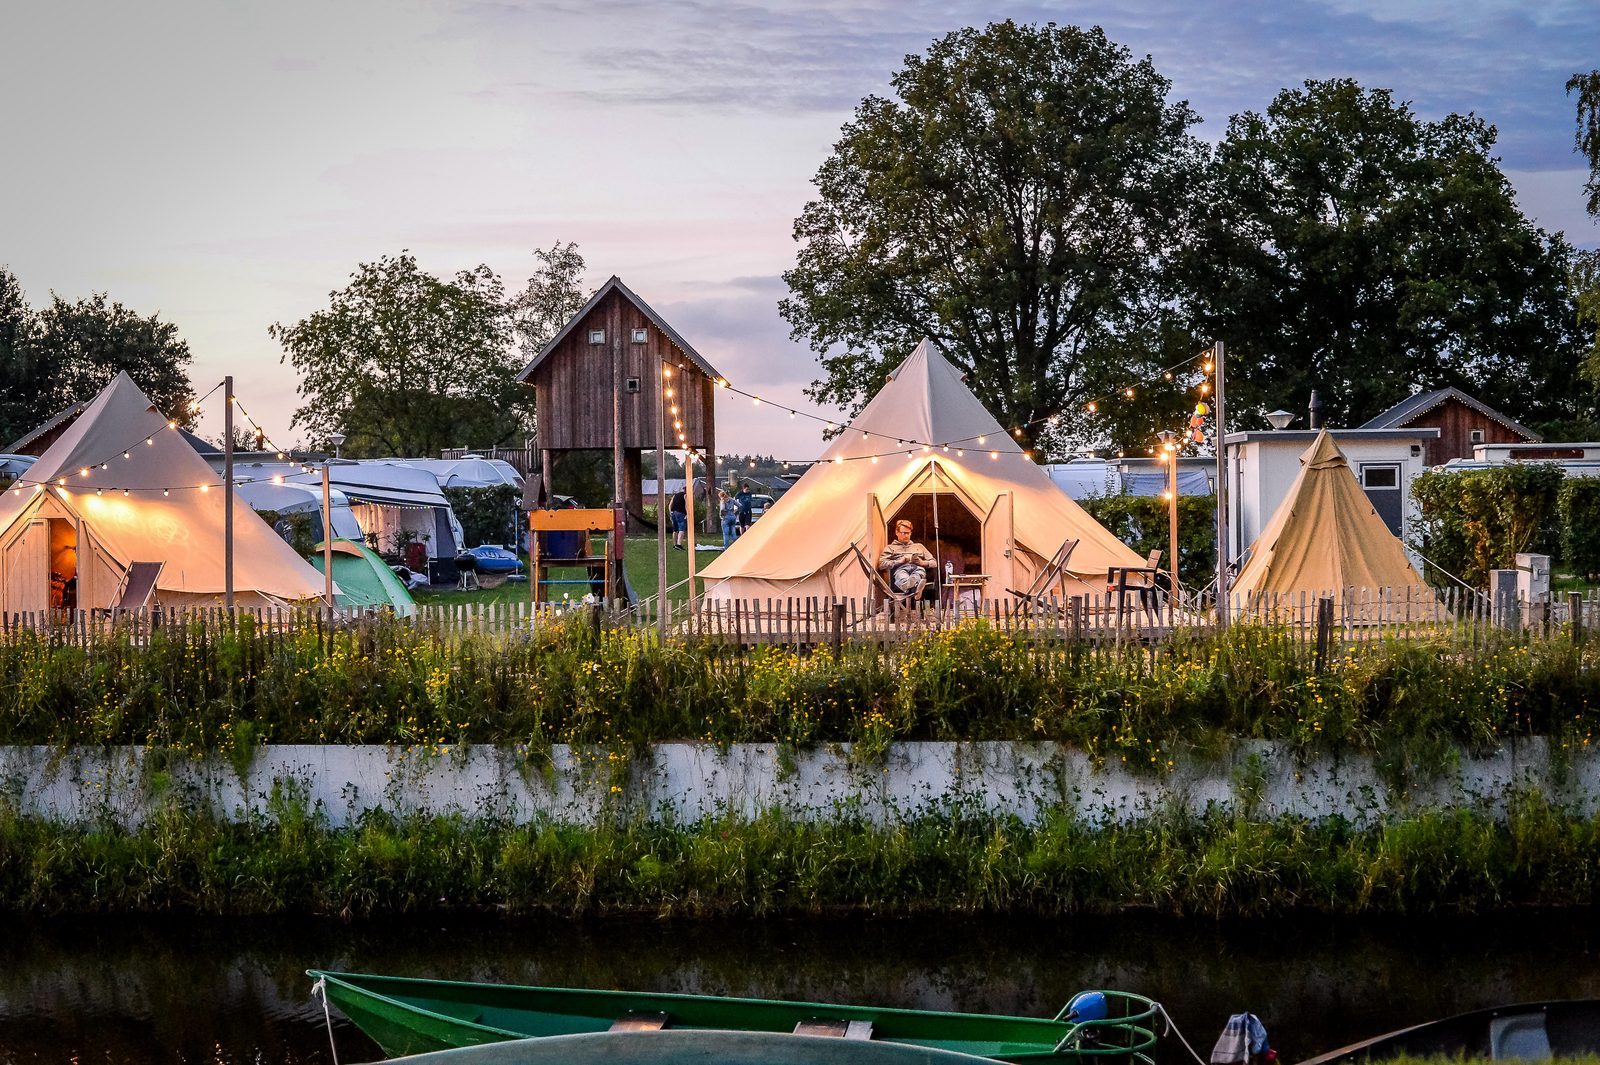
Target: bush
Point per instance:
(1474, 521)
(487, 515)
(1141, 523)
(1580, 525)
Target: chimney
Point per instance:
(1316, 410)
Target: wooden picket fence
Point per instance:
(1323, 625)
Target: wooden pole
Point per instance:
(663, 381)
(327, 535)
(1222, 493)
(1172, 520)
(618, 472)
(688, 504)
(227, 492)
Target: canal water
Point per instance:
(142, 991)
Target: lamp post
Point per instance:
(337, 439)
(1169, 452)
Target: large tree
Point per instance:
(1019, 201)
(67, 352)
(1353, 248)
(553, 294)
(405, 363)
(1586, 267)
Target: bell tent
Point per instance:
(1326, 539)
(927, 450)
(119, 486)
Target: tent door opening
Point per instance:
(63, 564)
(943, 524)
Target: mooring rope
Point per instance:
(1173, 1027)
(320, 990)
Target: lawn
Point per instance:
(639, 556)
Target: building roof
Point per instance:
(1419, 404)
(615, 285)
(1304, 437)
(20, 445)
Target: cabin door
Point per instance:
(25, 568)
(998, 547)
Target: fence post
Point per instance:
(838, 630)
(1324, 632)
(1575, 613)
(594, 619)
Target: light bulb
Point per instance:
(994, 454)
(165, 492)
(1093, 407)
(981, 439)
(205, 488)
(1128, 393)
(84, 472)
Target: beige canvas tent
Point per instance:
(965, 485)
(1326, 539)
(73, 528)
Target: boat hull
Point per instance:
(406, 1016)
(1531, 1030)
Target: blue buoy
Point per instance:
(1087, 1006)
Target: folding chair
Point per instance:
(138, 585)
(1119, 581)
(883, 591)
(1049, 577)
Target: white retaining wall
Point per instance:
(685, 781)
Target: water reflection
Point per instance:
(161, 990)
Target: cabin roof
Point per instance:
(1420, 404)
(615, 285)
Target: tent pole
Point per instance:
(227, 492)
(938, 547)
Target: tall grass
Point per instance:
(290, 861)
(1411, 703)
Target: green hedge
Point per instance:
(487, 515)
(1410, 703)
(1141, 523)
(291, 861)
(1474, 521)
(1580, 525)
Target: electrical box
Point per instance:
(1533, 578)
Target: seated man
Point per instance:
(905, 564)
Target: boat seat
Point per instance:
(1520, 1035)
(836, 1029)
(639, 1022)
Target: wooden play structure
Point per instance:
(576, 539)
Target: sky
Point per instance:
(228, 164)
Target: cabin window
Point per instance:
(631, 385)
(597, 336)
(1380, 477)
(1476, 435)
(640, 336)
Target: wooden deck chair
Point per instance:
(1034, 599)
(138, 585)
(883, 592)
(1143, 586)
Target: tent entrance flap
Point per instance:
(25, 568)
(999, 556)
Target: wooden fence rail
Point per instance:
(1322, 626)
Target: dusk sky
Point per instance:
(228, 164)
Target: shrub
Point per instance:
(1580, 525)
(1141, 523)
(1474, 521)
(487, 515)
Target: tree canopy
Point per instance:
(1586, 267)
(1021, 202)
(69, 351)
(1350, 247)
(553, 294)
(405, 363)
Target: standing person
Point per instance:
(728, 507)
(743, 499)
(679, 511)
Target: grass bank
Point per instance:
(290, 862)
(1411, 704)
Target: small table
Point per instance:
(1117, 584)
(968, 586)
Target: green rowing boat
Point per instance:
(406, 1016)
(700, 1047)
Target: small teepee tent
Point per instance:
(924, 449)
(1326, 539)
(119, 486)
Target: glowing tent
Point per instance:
(925, 449)
(1326, 538)
(121, 486)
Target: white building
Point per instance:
(1262, 467)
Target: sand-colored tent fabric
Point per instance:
(959, 455)
(1326, 539)
(109, 530)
